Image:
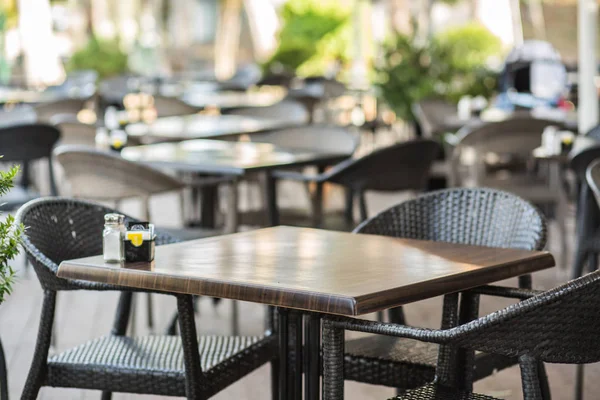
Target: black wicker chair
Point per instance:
(485, 217)
(25, 144)
(60, 229)
(557, 326)
(403, 166)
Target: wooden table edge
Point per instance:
(537, 262)
(343, 305)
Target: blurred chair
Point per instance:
(288, 110)
(588, 214)
(401, 167)
(172, 106)
(74, 132)
(479, 217)
(25, 144)
(499, 155)
(46, 111)
(106, 176)
(20, 115)
(325, 138)
(431, 115)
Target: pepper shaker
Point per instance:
(112, 238)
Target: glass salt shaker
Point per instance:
(112, 238)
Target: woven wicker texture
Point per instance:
(432, 392)
(482, 217)
(59, 229)
(485, 217)
(155, 364)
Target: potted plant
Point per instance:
(10, 237)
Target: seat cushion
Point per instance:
(405, 363)
(155, 364)
(435, 392)
(390, 361)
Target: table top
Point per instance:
(314, 270)
(224, 157)
(203, 126)
(453, 123)
(232, 99)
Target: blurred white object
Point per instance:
(42, 63)
(464, 108)
(102, 138)
(551, 140)
(497, 16)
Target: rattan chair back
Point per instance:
(23, 143)
(59, 229)
(102, 175)
(430, 116)
(473, 216)
(403, 166)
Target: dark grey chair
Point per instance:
(484, 217)
(403, 166)
(25, 144)
(558, 326)
(431, 115)
(61, 229)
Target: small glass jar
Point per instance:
(112, 238)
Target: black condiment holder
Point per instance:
(141, 253)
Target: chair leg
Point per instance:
(581, 257)
(37, 372)
(349, 209)
(579, 375)
(189, 339)
(363, 206)
(530, 376)
(333, 362)
(150, 314)
(544, 384)
(235, 319)
(3, 375)
(275, 379)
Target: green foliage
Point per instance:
(452, 64)
(103, 56)
(10, 237)
(313, 35)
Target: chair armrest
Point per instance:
(296, 176)
(503, 291)
(389, 329)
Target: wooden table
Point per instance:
(203, 126)
(229, 158)
(232, 99)
(315, 271)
